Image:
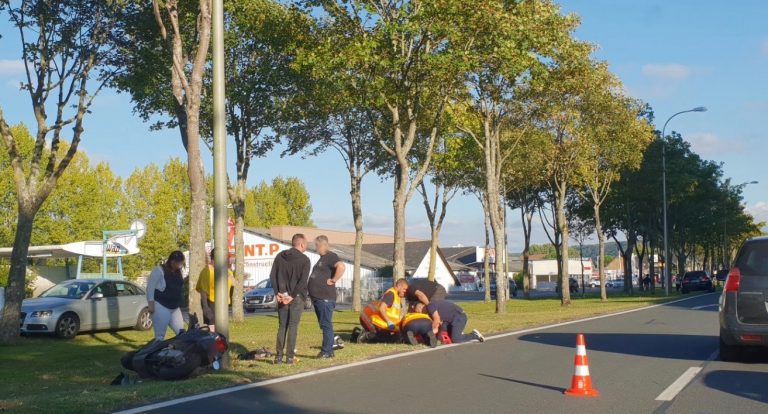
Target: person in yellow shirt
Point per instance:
(206, 285)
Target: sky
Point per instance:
(675, 55)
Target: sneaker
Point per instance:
(323, 355)
(337, 343)
(478, 335)
(291, 361)
(411, 338)
(278, 360)
(431, 339)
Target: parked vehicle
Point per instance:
(615, 284)
(743, 311)
(573, 285)
(79, 305)
(594, 282)
(512, 286)
(260, 297)
(698, 280)
(721, 275)
(178, 357)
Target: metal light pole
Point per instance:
(726, 260)
(667, 262)
(220, 177)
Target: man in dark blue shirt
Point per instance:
(452, 318)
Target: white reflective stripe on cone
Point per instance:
(581, 371)
(581, 350)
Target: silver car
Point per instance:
(79, 305)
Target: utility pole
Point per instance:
(221, 255)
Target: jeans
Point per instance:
(289, 317)
(324, 311)
(456, 329)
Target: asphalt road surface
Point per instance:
(639, 361)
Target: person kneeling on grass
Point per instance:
(381, 319)
(452, 318)
(417, 329)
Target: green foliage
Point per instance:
(549, 251)
(284, 201)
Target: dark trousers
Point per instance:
(456, 329)
(289, 317)
(324, 310)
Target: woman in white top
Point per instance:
(164, 295)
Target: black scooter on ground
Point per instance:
(178, 357)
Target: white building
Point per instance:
(546, 270)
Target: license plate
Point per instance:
(254, 301)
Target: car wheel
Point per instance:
(729, 353)
(144, 321)
(250, 310)
(67, 326)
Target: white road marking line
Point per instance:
(229, 390)
(671, 392)
(704, 306)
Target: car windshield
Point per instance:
(74, 289)
(264, 284)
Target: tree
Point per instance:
(63, 46)
(412, 64)
(159, 196)
(284, 201)
(615, 134)
(508, 44)
(165, 45)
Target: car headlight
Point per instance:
(269, 298)
(42, 314)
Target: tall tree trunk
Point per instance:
(398, 204)
(600, 252)
(238, 205)
(433, 254)
(562, 226)
(357, 218)
(527, 217)
(627, 259)
(198, 212)
(487, 259)
(651, 266)
(14, 291)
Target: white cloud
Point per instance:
(759, 211)
(708, 144)
(666, 70)
(11, 67)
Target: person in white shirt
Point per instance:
(164, 295)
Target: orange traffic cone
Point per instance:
(581, 384)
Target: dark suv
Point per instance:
(698, 280)
(744, 302)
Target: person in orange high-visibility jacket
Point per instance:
(382, 318)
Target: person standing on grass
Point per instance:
(206, 286)
(450, 317)
(288, 276)
(322, 290)
(164, 295)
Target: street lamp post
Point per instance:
(667, 262)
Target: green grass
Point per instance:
(42, 374)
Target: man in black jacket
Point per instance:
(289, 274)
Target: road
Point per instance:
(635, 358)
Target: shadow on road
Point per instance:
(254, 400)
(672, 346)
(532, 384)
(751, 385)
